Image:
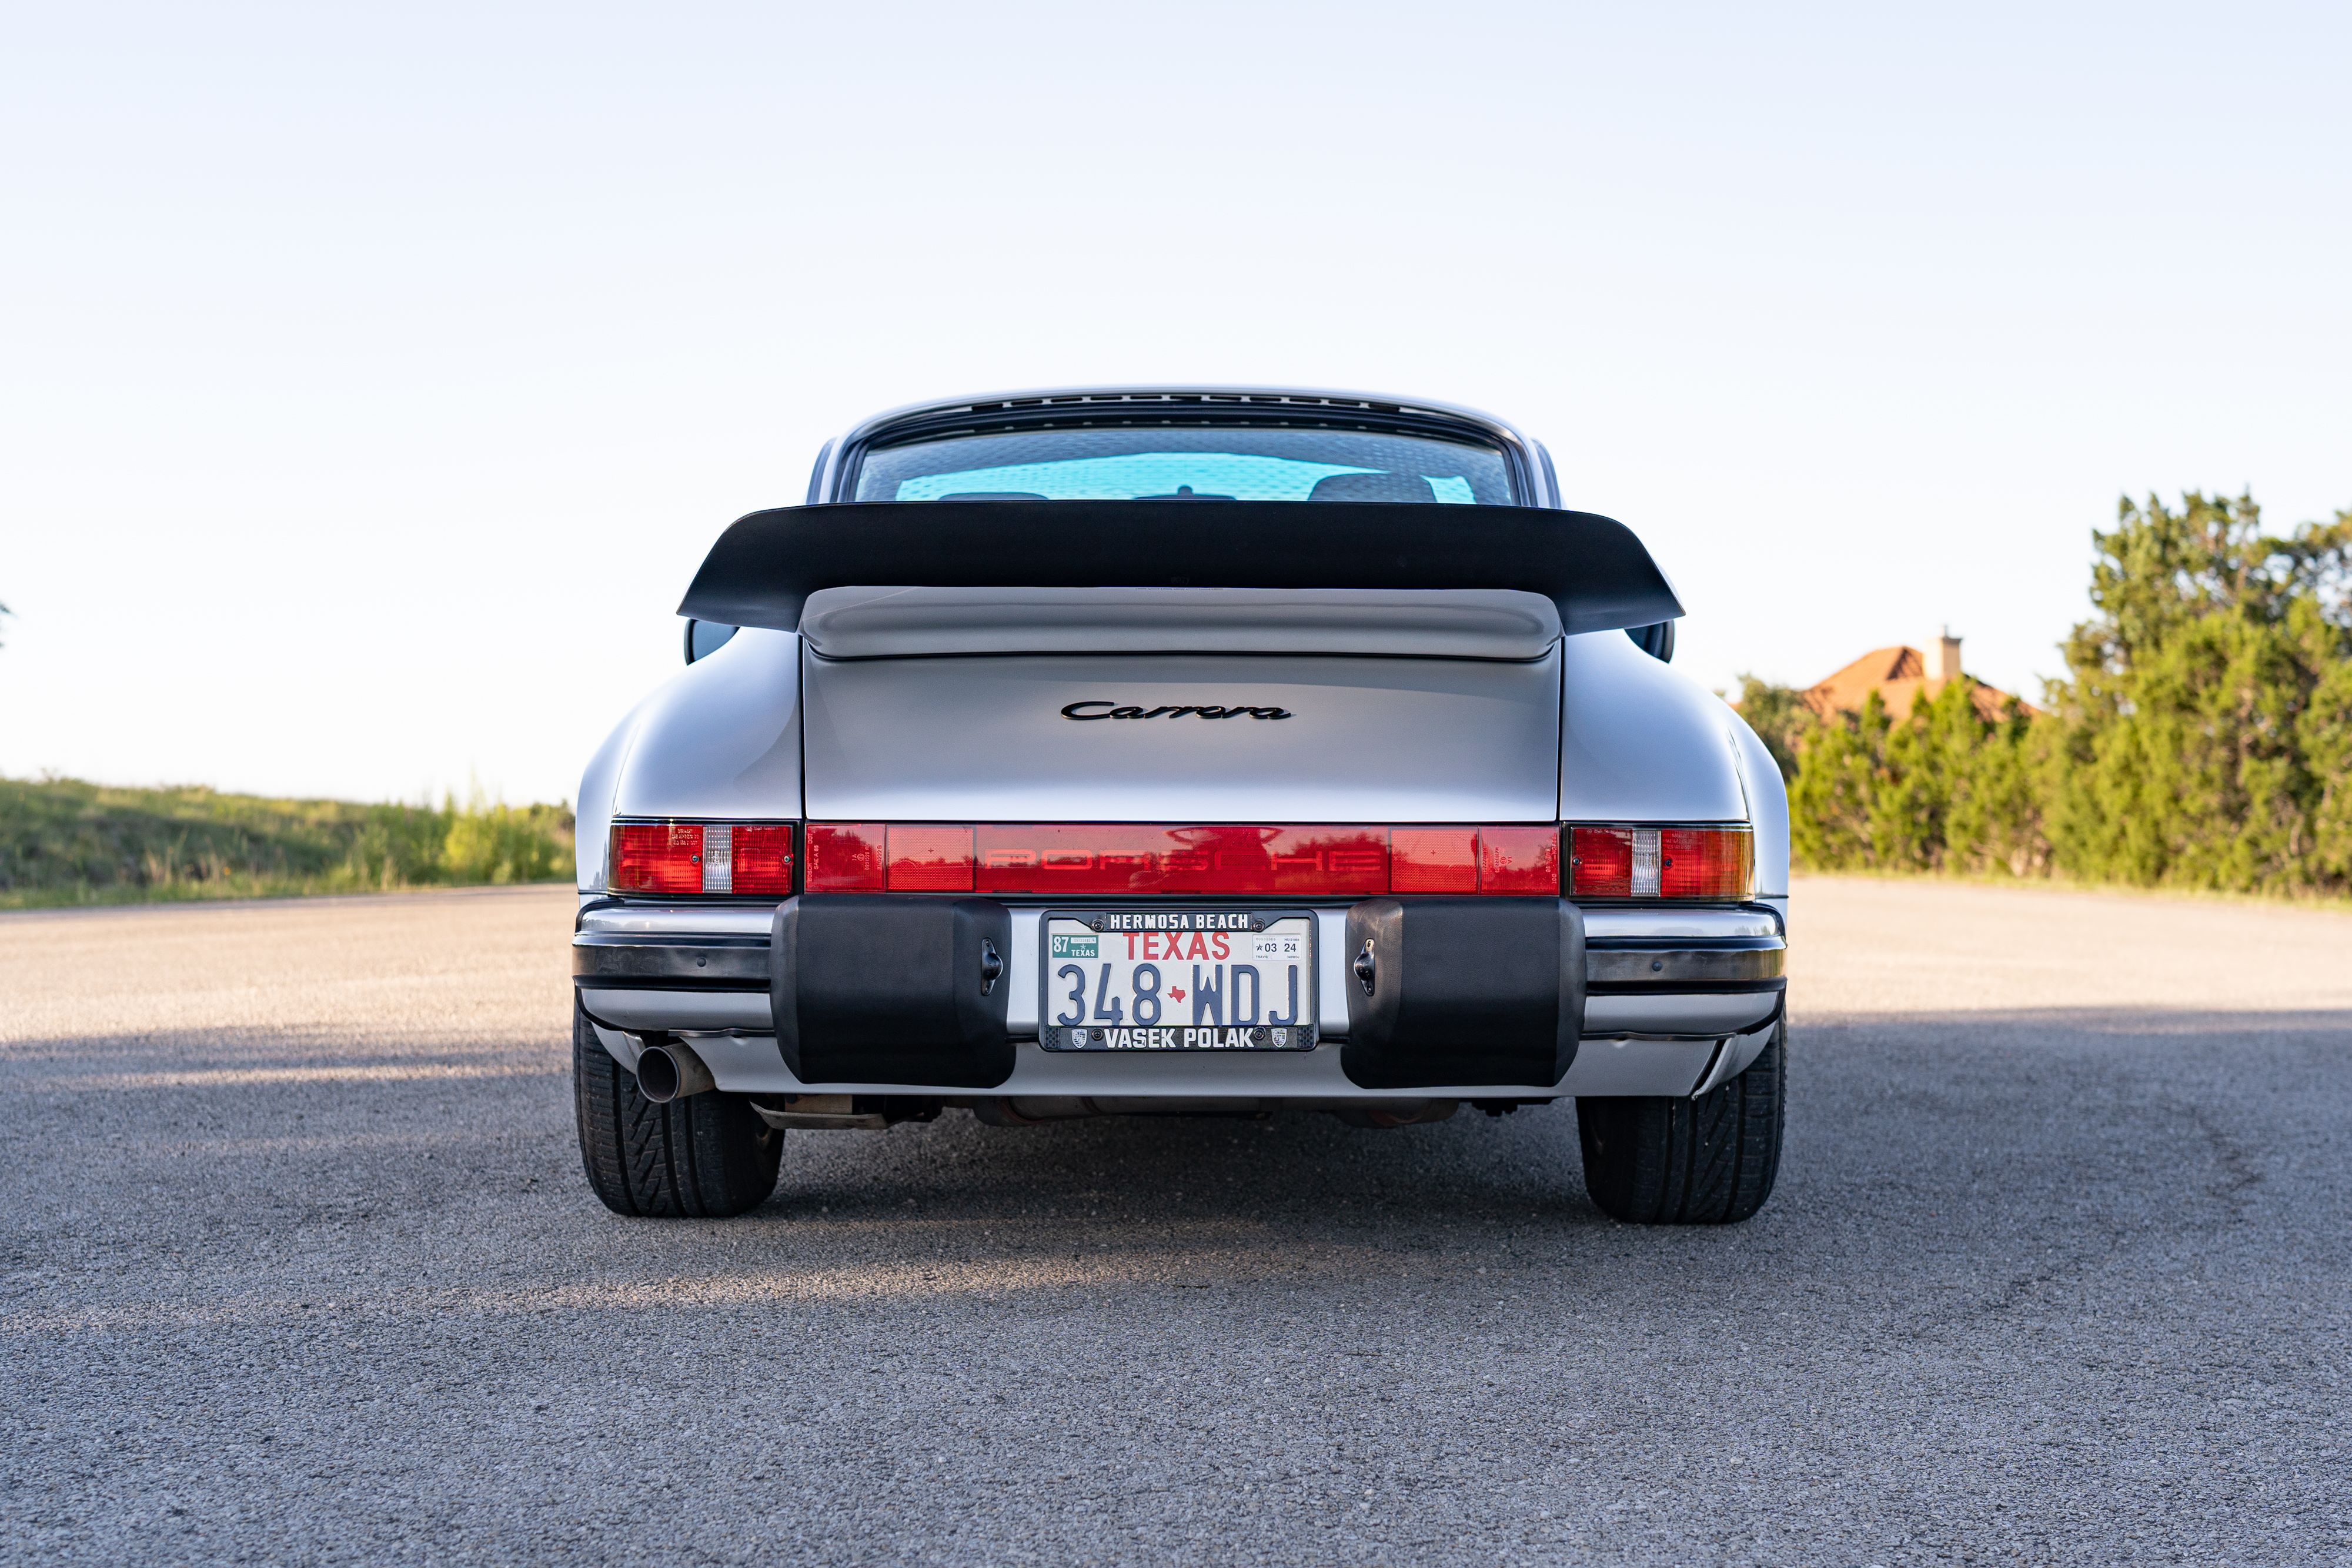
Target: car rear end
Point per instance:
(1046, 849)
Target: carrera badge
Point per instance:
(1129, 710)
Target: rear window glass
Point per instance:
(1235, 462)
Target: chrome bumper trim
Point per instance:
(704, 962)
(611, 917)
(1752, 962)
(734, 961)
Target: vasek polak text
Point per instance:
(1189, 1038)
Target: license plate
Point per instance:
(1177, 979)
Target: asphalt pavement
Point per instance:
(297, 1263)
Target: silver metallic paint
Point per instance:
(751, 1064)
(1768, 809)
(723, 740)
(1738, 1053)
(1640, 741)
(1676, 1015)
(1372, 740)
(680, 1012)
(718, 740)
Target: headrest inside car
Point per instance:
(1372, 487)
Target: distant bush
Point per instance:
(2202, 737)
(500, 844)
(66, 842)
(1943, 788)
(1780, 717)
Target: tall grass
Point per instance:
(65, 841)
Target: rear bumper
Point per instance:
(1665, 989)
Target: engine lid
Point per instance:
(1203, 737)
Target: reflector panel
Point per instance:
(844, 857)
(929, 858)
(1432, 859)
(1120, 859)
(1518, 860)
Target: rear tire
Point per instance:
(1708, 1160)
(704, 1156)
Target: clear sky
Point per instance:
(374, 377)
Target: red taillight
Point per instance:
(763, 858)
(657, 857)
(703, 858)
(1715, 864)
(1705, 862)
(1600, 863)
(844, 857)
(1114, 860)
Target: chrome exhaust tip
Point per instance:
(671, 1071)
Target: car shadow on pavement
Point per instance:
(2002, 1136)
(2040, 1133)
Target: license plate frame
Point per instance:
(1145, 927)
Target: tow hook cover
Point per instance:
(873, 989)
(1464, 990)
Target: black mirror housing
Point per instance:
(704, 638)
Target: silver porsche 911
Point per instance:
(1181, 750)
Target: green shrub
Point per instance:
(2198, 748)
(1943, 788)
(501, 843)
(2202, 737)
(1780, 717)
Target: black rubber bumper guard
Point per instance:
(869, 988)
(875, 989)
(1463, 991)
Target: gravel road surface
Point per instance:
(296, 1264)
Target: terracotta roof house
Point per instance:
(1900, 675)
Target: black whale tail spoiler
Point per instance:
(766, 565)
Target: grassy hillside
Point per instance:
(64, 841)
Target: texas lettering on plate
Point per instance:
(1177, 979)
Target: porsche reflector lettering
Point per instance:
(1131, 710)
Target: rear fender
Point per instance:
(720, 739)
(1768, 807)
(1641, 742)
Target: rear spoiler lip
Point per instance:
(886, 621)
(762, 569)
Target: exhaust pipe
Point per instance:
(670, 1071)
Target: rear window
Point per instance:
(1188, 462)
